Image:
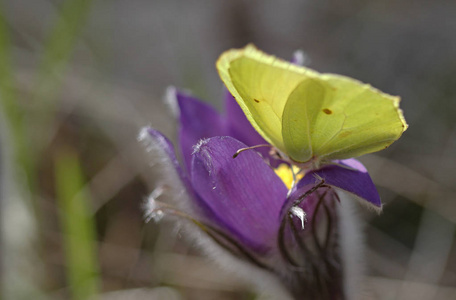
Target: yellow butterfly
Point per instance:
(310, 118)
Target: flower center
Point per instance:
(286, 174)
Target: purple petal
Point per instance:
(353, 178)
(244, 192)
(155, 141)
(198, 120)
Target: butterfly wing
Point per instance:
(261, 84)
(334, 117)
(308, 115)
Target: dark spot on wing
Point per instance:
(256, 100)
(327, 111)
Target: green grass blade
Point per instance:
(78, 227)
(57, 52)
(11, 110)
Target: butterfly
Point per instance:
(310, 118)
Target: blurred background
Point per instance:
(79, 78)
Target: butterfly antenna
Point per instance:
(250, 148)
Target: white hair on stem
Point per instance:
(352, 244)
(300, 213)
(170, 100)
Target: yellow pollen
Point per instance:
(285, 173)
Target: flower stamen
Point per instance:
(290, 175)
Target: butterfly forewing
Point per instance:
(260, 84)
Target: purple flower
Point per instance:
(303, 236)
(244, 205)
